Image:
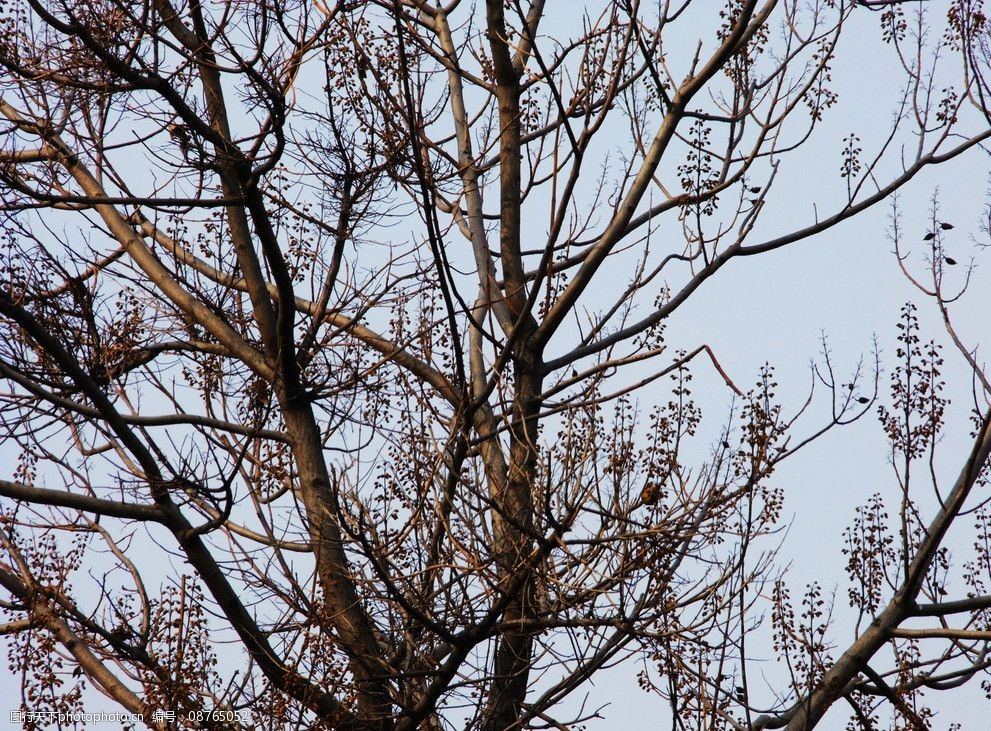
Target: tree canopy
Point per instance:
(336, 383)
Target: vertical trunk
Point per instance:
(275, 320)
(513, 654)
(514, 501)
(351, 623)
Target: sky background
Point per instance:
(844, 284)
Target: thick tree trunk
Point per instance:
(353, 628)
(514, 544)
(514, 501)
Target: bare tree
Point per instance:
(329, 412)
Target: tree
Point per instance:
(309, 310)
